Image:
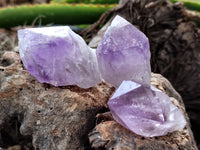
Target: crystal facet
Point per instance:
(146, 111)
(58, 56)
(123, 54)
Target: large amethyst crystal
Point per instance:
(58, 56)
(146, 111)
(123, 54)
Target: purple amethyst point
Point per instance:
(145, 111)
(58, 56)
(124, 54)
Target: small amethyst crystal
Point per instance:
(58, 56)
(146, 111)
(123, 54)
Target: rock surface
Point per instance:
(174, 43)
(56, 117)
(109, 134)
(61, 117)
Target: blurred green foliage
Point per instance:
(190, 4)
(44, 14)
(87, 1)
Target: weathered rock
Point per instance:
(56, 117)
(61, 117)
(174, 43)
(111, 135)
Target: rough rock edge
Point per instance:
(59, 117)
(108, 134)
(175, 42)
(56, 117)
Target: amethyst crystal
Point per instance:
(58, 56)
(123, 54)
(145, 111)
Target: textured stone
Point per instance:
(61, 117)
(108, 134)
(172, 40)
(123, 54)
(58, 56)
(56, 118)
(146, 111)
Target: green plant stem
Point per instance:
(190, 4)
(87, 1)
(62, 14)
(51, 13)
